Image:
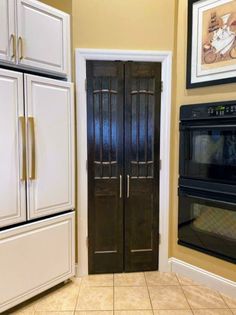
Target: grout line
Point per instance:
(77, 299)
(148, 293)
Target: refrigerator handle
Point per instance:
(23, 148)
(32, 172)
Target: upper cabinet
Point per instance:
(34, 35)
(7, 31)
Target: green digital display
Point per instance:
(220, 107)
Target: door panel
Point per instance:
(142, 121)
(44, 33)
(7, 27)
(105, 160)
(12, 197)
(51, 147)
(123, 165)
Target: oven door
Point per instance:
(208, 151)
(207, 222)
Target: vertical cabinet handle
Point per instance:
(120, 186)
(32, 174)
(127, 186)
(20, 48)
(23, 149)
(13, 41)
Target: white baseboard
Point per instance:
(204, 277)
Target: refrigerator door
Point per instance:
(50, 146)
(12, 144)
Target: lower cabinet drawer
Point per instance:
(35, 257)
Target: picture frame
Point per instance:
(211, 47)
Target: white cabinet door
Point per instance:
(35, 257)
(43, 36)
(12, 188)
(50, 133)
(7, 31)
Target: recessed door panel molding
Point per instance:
(12, 179)
(123, 165)
(7, 27)
(50, 145)
(43, 36)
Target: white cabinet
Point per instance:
(50, 111)
(37, 150)
(35, 257)
(43, 36)
(12, 184)
(35, 36)
(7, 31)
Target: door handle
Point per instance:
(32, 174)
(120, 186)
(23, 149)
(128, 186)
(20, 44)
(13, 41)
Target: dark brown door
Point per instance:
(123, 165)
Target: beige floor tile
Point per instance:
(53, 313)
(229, 301)
(143, 312)
(212, 312)
(234, 311)
(186, 281)
(202, 297)
(168, 298)
(131, 298)
(173, 312)
(60, 299)
(98, 280)
(95, 299)
(94, 313)
(161, 278)
(130, 279)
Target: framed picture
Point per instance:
(211, 56)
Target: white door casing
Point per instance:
(12, 197)
(50, 103)
(165, 58)
(44, 35)
(7, 28)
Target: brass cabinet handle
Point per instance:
(128, 186)
(32, 173)
(13, 41)
(120, 186)
(20, 45)
(23, 149)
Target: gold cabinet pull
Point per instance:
(20, 48)
(23, 149)
(32, 173)
(13, 41)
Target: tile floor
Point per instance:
(148, 293)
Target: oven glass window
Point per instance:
(214, 147)
(208, 154)
(208, 225)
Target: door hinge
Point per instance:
(87, 241)
(86, 165)
(160, 164)
(85, 84)
(161, 86)
(159, 238)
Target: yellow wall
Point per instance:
(150, 25)
(183, 96)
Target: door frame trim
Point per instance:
(165, 58)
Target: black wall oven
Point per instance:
(207, 181)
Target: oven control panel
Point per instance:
(208, 110)
(221, 110)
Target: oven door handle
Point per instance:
(209, 199)
(184, 128)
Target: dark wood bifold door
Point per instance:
(123, 165)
